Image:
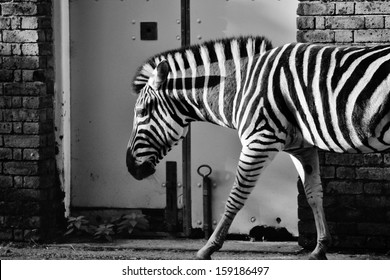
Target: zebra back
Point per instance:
(244, 45)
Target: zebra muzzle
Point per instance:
(139, 171)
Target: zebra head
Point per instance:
(158, 125)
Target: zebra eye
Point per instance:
(142, 112)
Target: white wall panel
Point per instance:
(106, 50)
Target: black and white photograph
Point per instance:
(237, 138)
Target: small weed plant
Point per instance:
(124, 226)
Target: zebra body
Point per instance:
(294, 98)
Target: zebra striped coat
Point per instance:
(294, 98)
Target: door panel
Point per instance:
(106, 50)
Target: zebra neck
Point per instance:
(210, 78)
(209, 92)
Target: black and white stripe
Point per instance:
(290, 98)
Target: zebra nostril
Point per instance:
(138, 171)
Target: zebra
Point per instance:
(298, 98)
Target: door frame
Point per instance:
(61, 32)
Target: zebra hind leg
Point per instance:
(250, 166)
(306, 162)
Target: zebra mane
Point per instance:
(146, 70)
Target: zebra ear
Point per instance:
(161, 73)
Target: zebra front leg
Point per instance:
(249, 168)
(306, 162)
(216, 240)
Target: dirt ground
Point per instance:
(178, 249)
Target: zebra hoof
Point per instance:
(202, 256)
(318, 256)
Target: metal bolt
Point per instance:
(253, 219)
(179, 185)
(199, 222)
(163, 185)
(199, 21)
(199, 37)
(178, 21)
(133, 38)
(178, 37)
(199, 185)
(214, 222)
(133, 21)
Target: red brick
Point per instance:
(30, 49)
(6, 234)
(316, 36)
(342, 228)
(17, 154)
(343, 36)
(373, 159)
(345, 172)
(344, 159)
(344, 187)
(348, 241)
(316, 8)
(372, 7)
(386, 159)
(372, 35)
(24, 222)
(375, 188)
(344, 22)
(21, 36)
(16, 9)
(372, 201)
(373, 173)
(6, 181)
(21, 168)
(22, 141)
(5, 23)
(327, 172)
(374, 22)
(373, 228)
(17, 127)
(31, 128)
(6, 75)
(5, 128)
(306, 22)
(21, 62)
(22, 115)
(5, 49)
(345, 8)
(32, 182)
(29, 23)
(31, 154)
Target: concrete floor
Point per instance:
(169, 249)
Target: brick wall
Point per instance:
(30, 199)
(356, 187)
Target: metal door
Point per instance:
(276, 192)
(106, 50)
